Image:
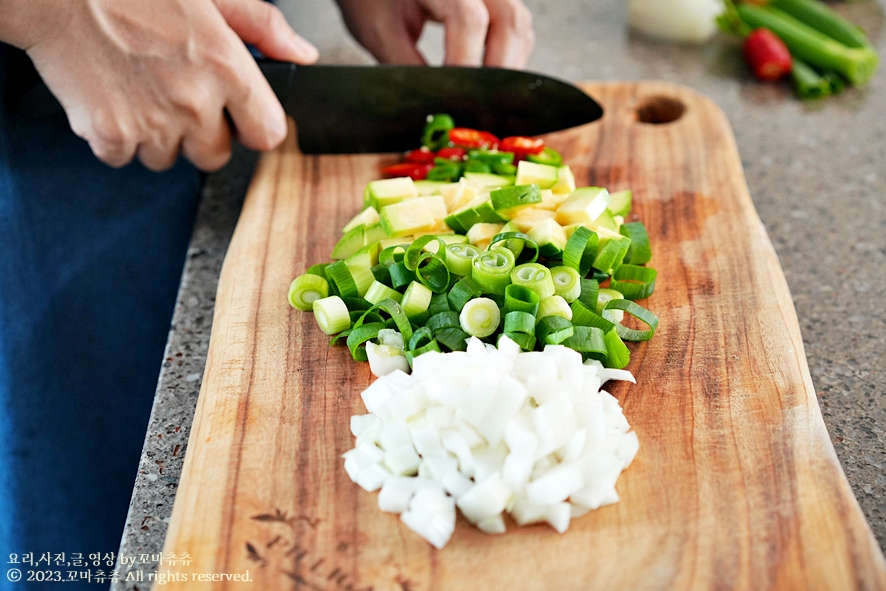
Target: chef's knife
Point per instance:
(354, 109)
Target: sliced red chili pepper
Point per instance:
(451, 153)
(767, 55)
(522, 145)
(420, 156)
(414, 170)
(471, 138)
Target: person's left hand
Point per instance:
(487, 32)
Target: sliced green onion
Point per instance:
(636, 310)
(589, 290)
(554, 306)
(443, 320)
(420, 338)
(519, 298)
(454, 339)
(379, 291)
(604, 296)
(382, 274)
(439, 303)
(417, 249)
(636, 283)
(432, 272)
(526, 341)
(356, 304)
(639, 252)
(400, 275)
(567, 283)
(331, 314)
(553, 330)
(416, 299)
(617, 353)
(459, 258)
(580, 250)
(480, 317)
(360, 266)
(304, 290)
(517, 242)
(519, 322)
(363, 318)
(318, 269)
(342, 335)
(607, 256)
(536, 277)
(395, 311)
(419, 319)
(462, 292)
(582, 316)
(588, 341)
(340, 276)
(391, 255)
(358, 337)
(491, 270)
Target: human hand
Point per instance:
(152, 79)
(488, 32)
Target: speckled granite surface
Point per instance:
(817, 174)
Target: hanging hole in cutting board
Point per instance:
(658, 110)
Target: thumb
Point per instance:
(263, 25)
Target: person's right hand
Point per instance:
(152, 79)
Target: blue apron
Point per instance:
(90, 261)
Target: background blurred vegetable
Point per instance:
(768, 57)
(687, 21)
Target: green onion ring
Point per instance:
(639, 312)
(636, 283)
(520, 257)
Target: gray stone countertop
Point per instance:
(817, 174)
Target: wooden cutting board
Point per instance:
(736, 485)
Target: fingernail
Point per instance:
(304, 49)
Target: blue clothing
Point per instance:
(90, 261)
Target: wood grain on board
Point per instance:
(736, 485)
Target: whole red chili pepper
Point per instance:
(767, 55)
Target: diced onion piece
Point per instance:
(491, 430)
(384, 359)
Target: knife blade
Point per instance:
(360, 109)
(354, 109)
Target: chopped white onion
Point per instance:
(384, 359)
(491, 430)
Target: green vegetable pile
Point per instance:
(828, 51)
(486, 257)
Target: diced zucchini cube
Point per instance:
(530, 173)
(406, 218)
(389, 191)
(583, 206)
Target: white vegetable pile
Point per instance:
(491, 430)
